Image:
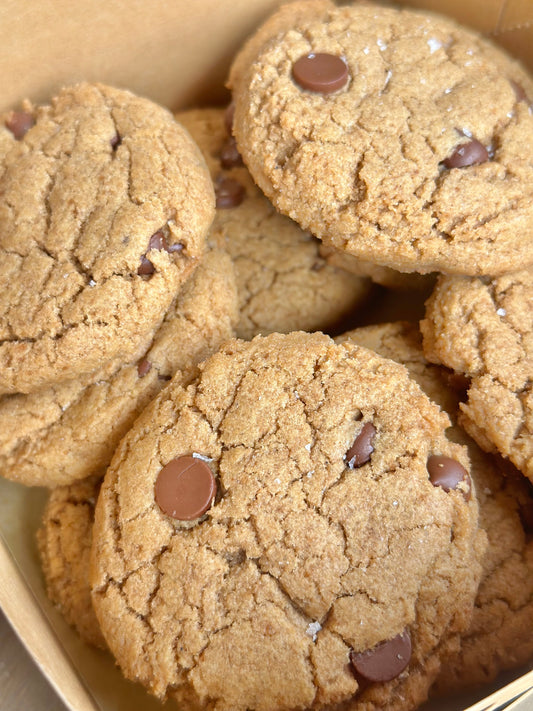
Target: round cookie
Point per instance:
(483, 328)
(395, 136)
(64, 542)
(314, 547)
(105, 204)
(63, 433)
(499, 637)
(283, 282)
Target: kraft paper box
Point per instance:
(176, 53)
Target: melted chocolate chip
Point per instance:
(360, 451)
(229, 192)
(229, 155)
(19, 123)
(185, 488)
(228, 118)
(447, 473)
(471, 153)
(322, 73)
(385, 661)
(143, 367)
(116, 141)
(157, 241)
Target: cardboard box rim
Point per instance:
(52, 38)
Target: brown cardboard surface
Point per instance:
(177, 53)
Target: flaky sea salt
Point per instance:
(202, 457)
(313, 628)
(434, 44)
(501, 312)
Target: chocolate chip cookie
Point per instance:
(66, 432)
(105, 203)
(64, 541)
(499, 637)
(289, 529)
(395, 136)
(283, 282)
(483, 329)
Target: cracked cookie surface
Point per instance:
(499, 636)
(483, 328)
(418, 162)
(283, 282)
(105, 204)
(63, 433)
(300, 561)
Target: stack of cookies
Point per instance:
(247, 512)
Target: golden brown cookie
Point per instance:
(63, 433)
(385, 276)
(499, 637)
(483, 328)
(396, 136)
(277, 529)
(104, 206)
(64, 541)
(283, 282)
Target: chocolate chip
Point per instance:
(185, 488)
(19, 123)
(229, 155)
(228, 192)
(157, 241)
(143, 367)
(116, 141)
(447, 473)
(322, 73)
(228, 118)
(360, 451)
(385, 661)
(471, 153)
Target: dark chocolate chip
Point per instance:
(146, 268)
(229, 155)
(116, 141)
(360, 451)
(19, 123)
(385, 661)
(471, 153)
(185, 488)
(228, 192)
(228, 118)
(157, 241)
(321, 73)
(143, 367)
(447, 473)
